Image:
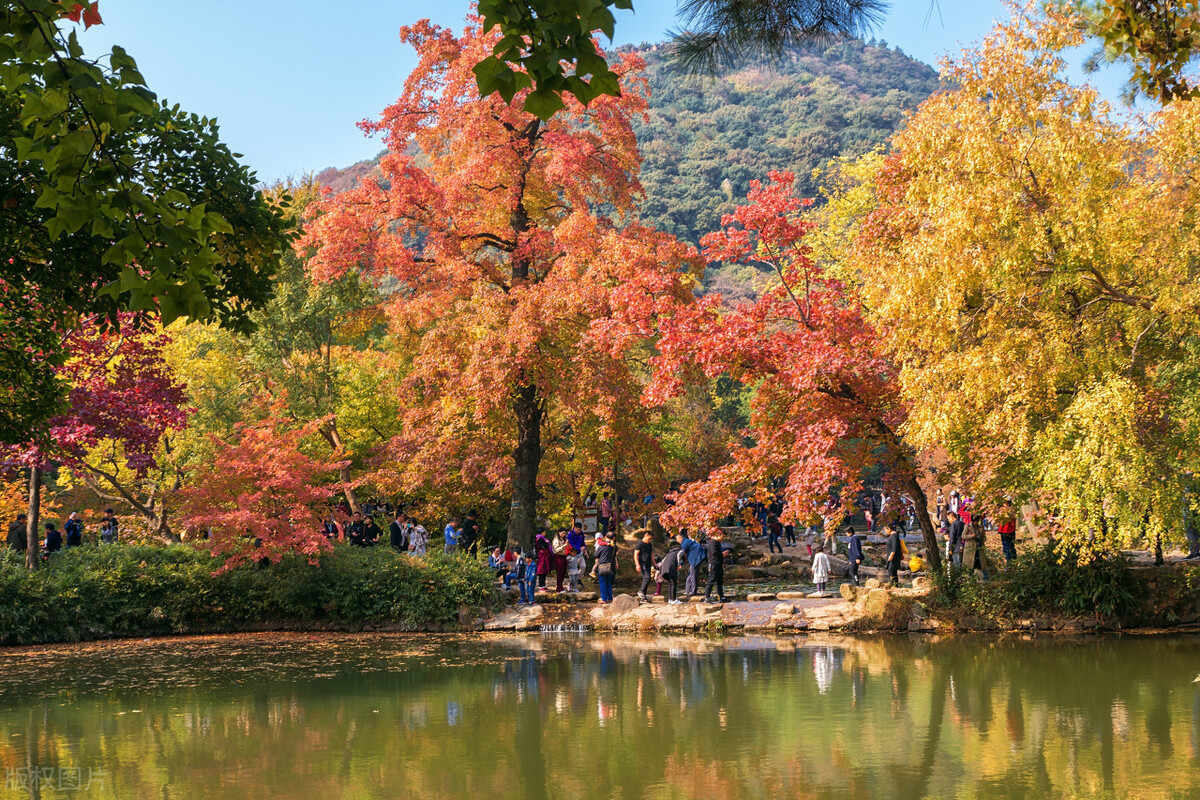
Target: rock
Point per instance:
(584, 597)
(848, 592)
(738, 574)
(785, 609)
(876, 602)
(818, 595)
(872, 583)
(709, 608)
(776, 571)
(623, 603)
(790, 595)
(920, 582)
(919, 611)
(658, 598)
(1073, 625)
(759, 597)
(696, 598)
(759, 572)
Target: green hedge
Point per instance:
(117, 591)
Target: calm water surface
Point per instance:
(598, 717)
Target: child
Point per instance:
(820, 570)
(516, 572)
(576, 564)
(529, 586)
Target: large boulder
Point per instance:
(876, 602)
(623, 603)
(784, 609)
(848, 592)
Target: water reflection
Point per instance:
(597, 717)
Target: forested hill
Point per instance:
(706, 140)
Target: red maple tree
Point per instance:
(827, 405)
(260, 496)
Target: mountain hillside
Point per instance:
(705, 140)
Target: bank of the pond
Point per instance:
(116, 591)
(95, 593)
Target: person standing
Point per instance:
(333, 530)
(954, 539)
(354, 531)
(17, 537)
(789, 534)
(578, 543)
(716, 566)
(643, 562)
(694, 555)
(576, 567)
(774, 529)
(820, 570)
(559, 555)
(451, 535)
(855, 558)
(895, 554)
(108, 527)
(605, 569)
(370, 532)
(73, 528)
(542, 548)
(1008, 535)
(418, 538)
(54, 541)
(468, 539)
(606, 513)
(531, 577)
(397, 533)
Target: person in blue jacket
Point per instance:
(74, 530)
(856, 555)
(54, 541)
(694, 552)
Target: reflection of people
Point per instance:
(823, 667)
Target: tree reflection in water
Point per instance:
(608, 717)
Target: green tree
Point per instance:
(112, 202)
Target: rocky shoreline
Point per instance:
(872, 607)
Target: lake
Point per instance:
(578, 716)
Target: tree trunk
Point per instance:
(527, 458)
(330, 432)
(928, 532)
(33, 551)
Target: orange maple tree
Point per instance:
(503, 242)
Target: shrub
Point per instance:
(100, 592)
(1047, 580)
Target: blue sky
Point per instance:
(288, 81)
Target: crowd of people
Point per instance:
(53, 539)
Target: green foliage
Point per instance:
(121, 591)
(539, 37)
(1159, 40)
(113, 202)
(705, 140)
(718, 33)
(1049, 580)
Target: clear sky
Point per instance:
(288, 81)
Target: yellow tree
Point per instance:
(1030, 258)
